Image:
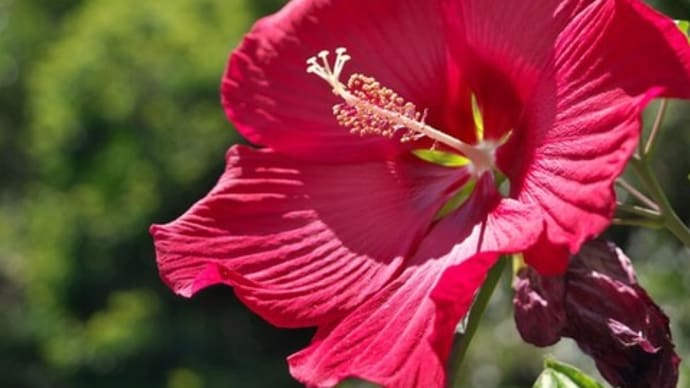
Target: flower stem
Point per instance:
(655, 128)
(636, 193)
(640, 211)
(462, 341)
(645, 223)
(671, 220)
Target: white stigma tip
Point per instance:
(321, 66)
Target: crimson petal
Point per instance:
(295, 239)
(583, 120)
(270, 97)
(401, 336)
(500, 60)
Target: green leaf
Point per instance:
(559, 375)
(502, 183)
(478, 118)
(684, 26)
(442, 158)
(457, 200)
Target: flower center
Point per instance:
(372, 109)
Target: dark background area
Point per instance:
(109, 121)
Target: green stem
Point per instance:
(645, 223)
(671, 220)
(638, 210)
(636, 193)
(651, 141)
(462, 341)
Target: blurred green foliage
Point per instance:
(110, 120)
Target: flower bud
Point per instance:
(600, 305)
(539, 309)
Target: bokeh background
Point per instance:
(109, 121)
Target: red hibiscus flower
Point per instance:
(340, 221)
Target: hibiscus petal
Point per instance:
(499, 60)
(274, 102)
(548, 258)
(401, 336)
(302, 244)
(492, 33)
(583, 121)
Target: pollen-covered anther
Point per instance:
(361, 113)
